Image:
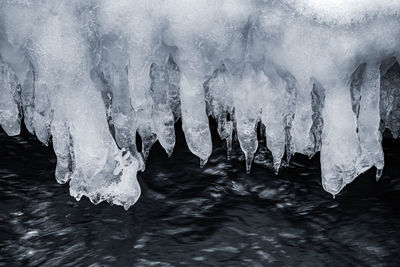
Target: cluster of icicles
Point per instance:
(90, 75)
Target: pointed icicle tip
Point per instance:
(169, 152)
(249, 161)
(126, 206)
(142, 165)
(140, 160)
(277, 166)
(378, 174)
(203, 162)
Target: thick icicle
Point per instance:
(194, 119)
(195, 123)
(134, 30)
(101, 171)
(340, 152)
(66, 99)
(112, 69)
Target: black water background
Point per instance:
(187, 216)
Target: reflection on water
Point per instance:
(218, 215)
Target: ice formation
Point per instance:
(89, 75)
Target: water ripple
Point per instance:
(187, 216)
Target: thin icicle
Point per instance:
(163, 118)
(369, 119)
(9, 100)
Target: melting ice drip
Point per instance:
(91, 74)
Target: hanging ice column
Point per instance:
(194, 119)
(219, 99)
(87, 155)
(163, 98)
(248, 108)
(351, 136)
(369, 119)
(131, 37)
(9, 106)
(87, 76)
(340, 150)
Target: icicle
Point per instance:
(219, 99)
(62, 145)
(27, 99)
(369, 119)
(42, 114)
(112, 68)
(246, 100)
(174, 99)
(139, 83)
(318, 102)
(302, 122)
(163, 118)
(355, 88)
(226, 131)
(9, 100)
(89, 157)
(246, 123)
(289, 115)
(195, 123)
(290, 101)
(340, 151)
(101, 170)
(274, 113)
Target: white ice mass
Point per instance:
(90, 74)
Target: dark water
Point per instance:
(187, 216)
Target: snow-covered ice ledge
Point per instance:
(90, 74)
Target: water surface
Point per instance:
(187, 216)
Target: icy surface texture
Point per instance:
(304, 76)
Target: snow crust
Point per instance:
(88, 76)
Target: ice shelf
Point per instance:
(312, 76)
